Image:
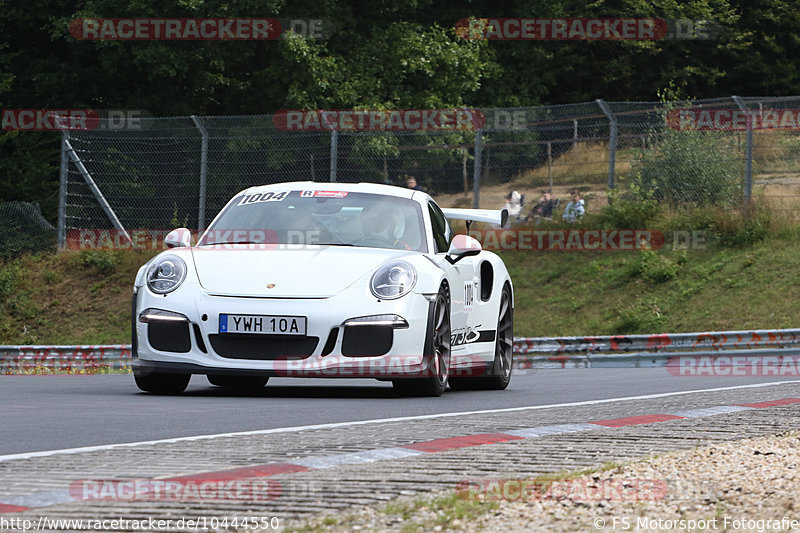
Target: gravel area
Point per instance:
(746, 485)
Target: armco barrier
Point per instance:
(533, 352)
(70, 359)
(651, 350)
(715, 340)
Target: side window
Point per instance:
(442, 234)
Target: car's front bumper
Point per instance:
(329, 349)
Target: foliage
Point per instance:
(633, 209)
(656, 267)
(733, 229)
(103, 262)
(64, 298)
(689, 168)
(641, 317)
(727, 227)
(8, 280)
(392, 53)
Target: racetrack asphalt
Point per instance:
(40, 413)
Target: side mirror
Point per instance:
(178, 238)
(462, 246)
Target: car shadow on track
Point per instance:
(308, 391)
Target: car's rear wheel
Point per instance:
(499, 374)
(437, 350)
(158, 383)
(245, 383)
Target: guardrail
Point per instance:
(716, 340)
(665, 349)
(69, 359)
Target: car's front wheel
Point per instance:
(499, 374)
(437, 351)
(243, 383)
(158, 383)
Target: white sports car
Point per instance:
(326, 280)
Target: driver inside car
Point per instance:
(385, 226)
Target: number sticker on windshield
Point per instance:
(259, 197)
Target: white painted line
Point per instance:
(355, 458)
(558, 429)
(708, 411)
(104, 447)
(41, 499)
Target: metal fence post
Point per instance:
(574, 132)
(62, 192)
(612, 140)
(98, 194)
(476, 170)
(201, 207)
(334, 153)
(748, 151)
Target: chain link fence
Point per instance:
(179, 171)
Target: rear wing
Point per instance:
(492, 216)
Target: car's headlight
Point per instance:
(393, 280)
(166, 274)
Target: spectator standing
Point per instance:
(411, 183)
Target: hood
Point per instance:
(295, 271)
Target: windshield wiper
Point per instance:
(334, 244)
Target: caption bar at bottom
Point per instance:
(721, 523)
(201, 523)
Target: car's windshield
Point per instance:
(336, 218)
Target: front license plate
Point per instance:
(277, 325)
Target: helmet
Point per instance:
(383, 222)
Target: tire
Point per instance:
(499, 375)
(157, 383)
(437, 350)
(244, 383)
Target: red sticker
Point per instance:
(323, 194)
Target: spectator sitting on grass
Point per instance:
(575, 209)
(544, 209)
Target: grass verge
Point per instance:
(738, 277)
